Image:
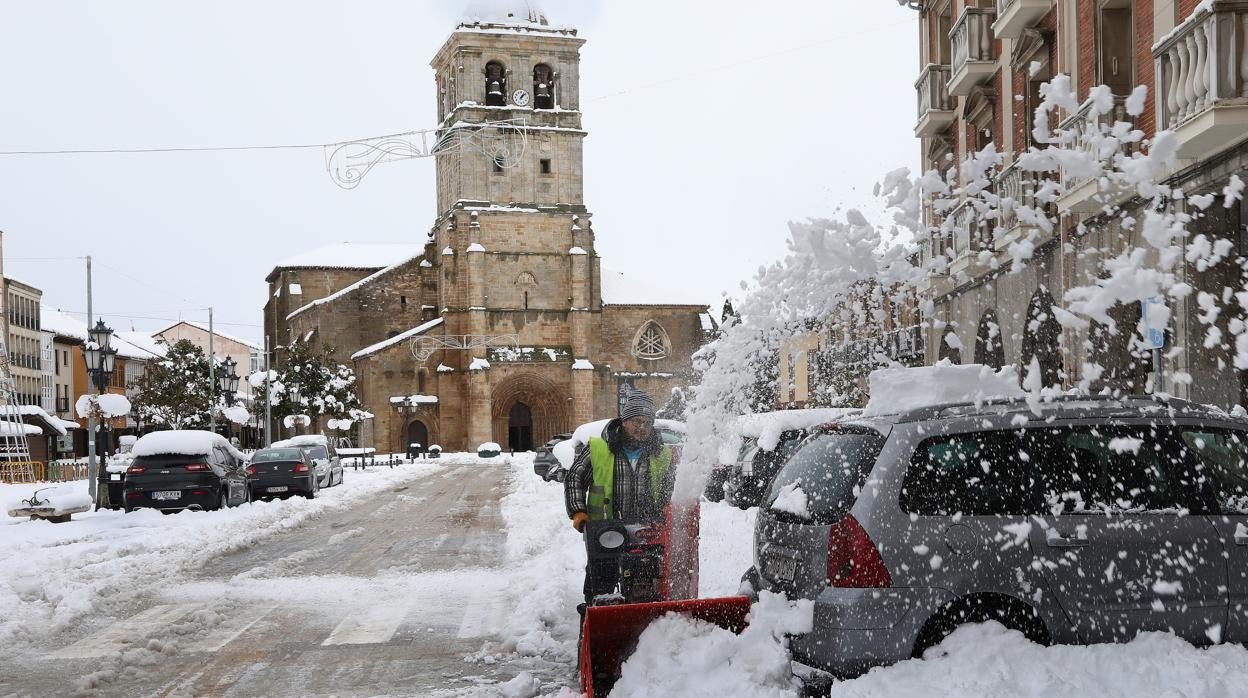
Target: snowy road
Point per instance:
(385, 595)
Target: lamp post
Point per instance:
(227, 382)
(292, 391)
(101, 359)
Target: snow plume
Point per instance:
(827, 262)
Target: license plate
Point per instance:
(783, 568)
(116, 477)
(278, 489)
(167, 494)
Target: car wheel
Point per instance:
(225, 501)
(1011, 613)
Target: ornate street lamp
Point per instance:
(227, 380)
(101, 359)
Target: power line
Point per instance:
(130, 316)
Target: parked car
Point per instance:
(323, 453)
(717, 480)
(185, 469)
(749, 478)
(544, 460)
(283, 472)
(1083, 520)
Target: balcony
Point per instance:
(1086, 191)
(935, 109)
(1200, 68)
(1013, 16)
(974, 60)
(1020, 210)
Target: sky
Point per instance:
(711, 125)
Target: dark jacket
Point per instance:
(633, 498)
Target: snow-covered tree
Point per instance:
(175, 392)
(326, 390)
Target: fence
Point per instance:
(56, 471)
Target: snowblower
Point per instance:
(638, 573)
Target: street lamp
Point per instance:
(101, 359)
(227, 380)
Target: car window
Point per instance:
(976, 474)
(1223, 453)
(276, 454)
(318, 452)
(1121, 469)
(671, 437)
(830, 469)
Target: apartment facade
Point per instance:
(983, 63)
(24, 340)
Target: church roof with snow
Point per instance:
(352, 255)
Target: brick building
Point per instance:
(983, 62)
(502, 326)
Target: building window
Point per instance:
(545, 165)
(495, 84)
(1115, 65)
(543, 87)
(402, 301)
(651, 342)
(498, 164)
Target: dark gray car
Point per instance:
(1091, 521)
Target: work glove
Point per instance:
(579, 519)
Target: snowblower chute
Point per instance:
(639, 572)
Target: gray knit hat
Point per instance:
(637, 404)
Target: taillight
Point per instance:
(853, 560)
(195, 467)
(199, 493)
(133, 495)
(301, 467)
(135, 470)
(251, 470)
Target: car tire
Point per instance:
(1013, 614)
(224, 502)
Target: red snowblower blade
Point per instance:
(612, 628)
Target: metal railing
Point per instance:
(1202, 62)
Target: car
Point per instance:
(185, 470)
(544, 460)
(283, 472)
(1073, 520)
(717, 481)
(749, 478)
(323, 453)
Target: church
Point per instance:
(502, 325)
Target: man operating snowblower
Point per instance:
(625, 475)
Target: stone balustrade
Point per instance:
(1090, 130)
(933, 96)
(972, 42)
(1202, 62)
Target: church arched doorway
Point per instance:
(417, 433)
(520, 428)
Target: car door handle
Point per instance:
(1057, 540)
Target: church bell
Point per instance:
(496, 90)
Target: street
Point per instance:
(386, 597)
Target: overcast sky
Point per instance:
(710, 126)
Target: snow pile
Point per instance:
(681, 656)
(61, 498)
(792, 500)
(109, 404)
(895, 390)
(189, 442)
(989, 660)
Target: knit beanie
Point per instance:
(637, 404)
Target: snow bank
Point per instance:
(989, 660)
(190, 442)
(895, 390)
(681, 656)
(61, 498)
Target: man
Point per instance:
(626, 474)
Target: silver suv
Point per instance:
(1092, 521)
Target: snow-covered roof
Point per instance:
(58, 425)
(895, 390)
(215, 331)
(357, 285)
(419, 329)
(188, 442)
(353, 255)
(619, 288)
(129, 345)
(302, 440)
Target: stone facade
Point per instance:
(1120, 45)
(496, 329)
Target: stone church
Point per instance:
(502, 326)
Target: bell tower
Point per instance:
(513, 246)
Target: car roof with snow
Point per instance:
(183, 442)
(303, 440)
